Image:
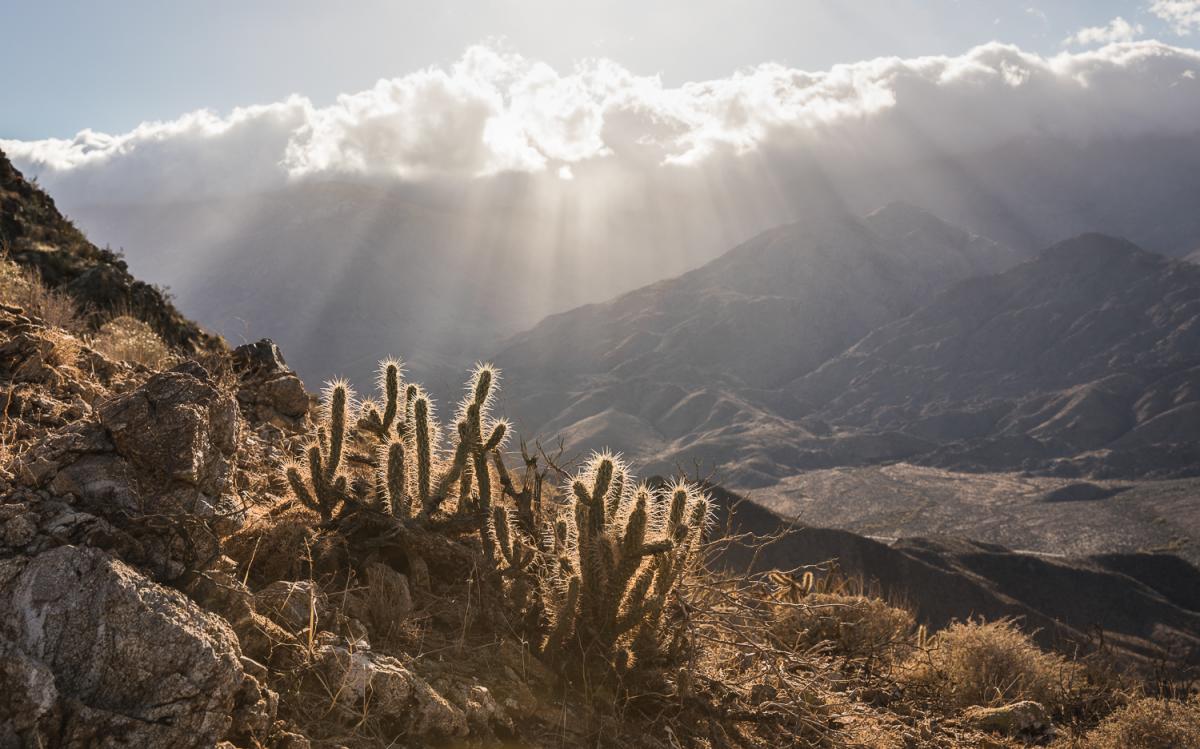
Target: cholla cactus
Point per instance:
(380, 424)
(625, 552)
(327, 487)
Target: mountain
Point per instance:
(1082, 361)
(698, 365)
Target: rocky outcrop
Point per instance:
(158, 460)
(268, 390)
(1026, 719)
(94, 654)
(361, 681)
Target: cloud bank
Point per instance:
(495, 112)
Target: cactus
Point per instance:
(372, 420)
(327, 487)
(626, 553)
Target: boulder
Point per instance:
(364, 683)
(95, 654)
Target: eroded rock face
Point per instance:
(94, 654)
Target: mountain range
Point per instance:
(439, 273)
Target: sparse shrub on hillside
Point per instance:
(24, 288)
(991, 663)
(862, 629)
(1149, 724)
(128, 339)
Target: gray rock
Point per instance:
(268, 390)
(383, 687)
(94, 654)
(158, 461)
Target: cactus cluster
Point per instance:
(621, 551)
(598, 566)
(401, 437)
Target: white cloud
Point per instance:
(1183, 15)
(1117, 30)
(494, 111)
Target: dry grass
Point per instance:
(128, 339)
(991, 663)
(1149, 724)
(24, 288)
(855, 627)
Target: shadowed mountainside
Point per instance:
(1084, 361)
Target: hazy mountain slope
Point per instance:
(338, 272)
(696, 363)
(1089, 354)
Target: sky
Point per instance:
(110, 67)
(161, 102)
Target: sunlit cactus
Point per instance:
(627, 550)
(372, 420)
(327, 487)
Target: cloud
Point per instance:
(496, 112)
(1183, 15)
(1117, 30)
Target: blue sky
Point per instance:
(111, 66)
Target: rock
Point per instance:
(1025, 718)
(97, 655)
(268, 390)
(158, 462)
(288, 604)
(19, 530)
(261, 639)
(382, 687)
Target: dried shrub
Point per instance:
(991, 663)
(128, 339)
(1149, 724)
(24, 288)
(856, 627)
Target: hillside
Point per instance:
(169, 578)
(1143, 604)
(1083, 361)
(36, 235)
